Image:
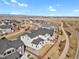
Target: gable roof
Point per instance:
(6, 44)
(16, 43)
(12, 56)
(37, 41)
(39, 31)
(5, 26)
(49, 25)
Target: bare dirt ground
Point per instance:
(72, 39)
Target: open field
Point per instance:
(73, 22)
(73, 46)
(72, 40)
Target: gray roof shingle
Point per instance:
(6, 44)
(37, 41)
(5, 26)
(13, 56)
(39, 31)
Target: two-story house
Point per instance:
(11, 49)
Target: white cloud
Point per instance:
(5, 2)
(19, 4)
(13, 13)
(17, 13)
(13, 1)
(76, 10)
(51, 9)
(22, 4)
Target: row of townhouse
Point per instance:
(36, 38)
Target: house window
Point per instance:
(13, 50)
(8, 52)
(4, 54)
(36, 46)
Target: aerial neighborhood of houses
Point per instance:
(32, 38)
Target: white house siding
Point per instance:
(27, 41)
(29, 44)
(35, 38)
(45, 37)
(39, 46)
(5, 30)
(25, 37)
(21, 50)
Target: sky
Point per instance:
(40, 7)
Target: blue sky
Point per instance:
(40, 7)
